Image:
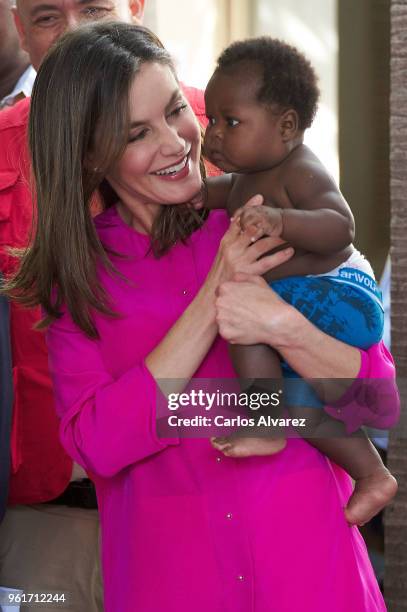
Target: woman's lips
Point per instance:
(175, 171)
(177, 176)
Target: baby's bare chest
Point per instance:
(269, 184)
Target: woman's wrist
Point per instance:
(287, 329)
(205, 300)
(314, 354)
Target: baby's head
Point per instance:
(261, 98)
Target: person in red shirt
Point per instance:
(41, 471)
(14, 62)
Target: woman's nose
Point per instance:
(172, 142)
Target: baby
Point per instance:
(260, 100)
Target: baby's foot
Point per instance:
(247, 447)
(371, 494)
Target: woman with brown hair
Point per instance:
(130, 298)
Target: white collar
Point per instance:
(23, 86)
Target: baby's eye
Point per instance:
(211, 121)
(232, 122)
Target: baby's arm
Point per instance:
(215, 192)
(320, 221)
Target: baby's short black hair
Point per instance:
(289, 80)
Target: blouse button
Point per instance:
(184, 292)
(240, 577)
(229, 515)
(218, 459)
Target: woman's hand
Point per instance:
(239, 254)
(248, 311)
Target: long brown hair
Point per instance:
(80, 105)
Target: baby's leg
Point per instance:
(374, 488)
(349, 314)
(258, 367)
(374, 485)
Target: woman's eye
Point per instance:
(138, 136)
(232, 122)
(178, 110)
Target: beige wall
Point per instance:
(194, 33)
(310, 25)
(364, 78)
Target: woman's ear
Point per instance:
(289, 124)
(90, 163)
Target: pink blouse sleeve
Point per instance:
(107, 424)
(373, 398)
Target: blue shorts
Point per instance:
(346, 306)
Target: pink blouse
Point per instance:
(183, 527)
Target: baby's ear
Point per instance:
(289, 123)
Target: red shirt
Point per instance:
(41, 469)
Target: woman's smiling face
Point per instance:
(160, 164)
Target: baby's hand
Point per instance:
(262, 221)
